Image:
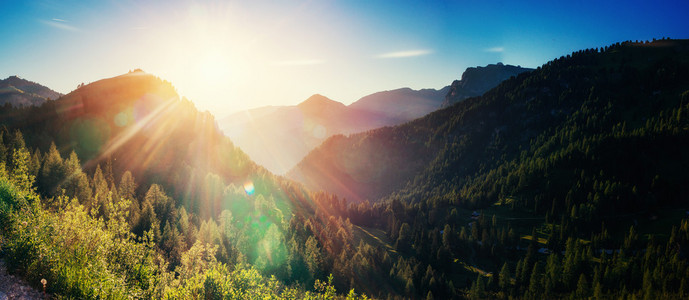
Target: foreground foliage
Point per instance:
(84, 256)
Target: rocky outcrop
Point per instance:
(478, 80)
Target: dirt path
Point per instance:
(13, 287)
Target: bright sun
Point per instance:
(214, 68)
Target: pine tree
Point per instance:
(478, 289)
(163, 205)
(582, 291)
(447, 236)
(101, 193)
(312, 256)
(52, 172)
(553, 273)
(598, 291)
(648, 291)
(16, 143)
(108, 173)
(535, 288)
(35, 163)
(76, 184)
(404, 238)
(4, 157)
(127, 187)
(505, 278)
(147, 221)
(20, 175)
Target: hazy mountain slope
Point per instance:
(21, 92)
(402, 105)
(449, 152)
(478, 80)
(278, 137)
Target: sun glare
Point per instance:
(214, 68)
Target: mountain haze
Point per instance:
(401, 105)
(279, 137)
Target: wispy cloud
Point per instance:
(495, 49)
(402, 54)
(300, 62)
(59, 24)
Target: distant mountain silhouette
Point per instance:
(402, 105)
(476, 81)
(20, 92)
(277, 137)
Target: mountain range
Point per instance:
(279, 137)
(449, 152)
(569, 181)
(20, 92)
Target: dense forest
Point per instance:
(567, 181)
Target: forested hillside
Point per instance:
(568, 163)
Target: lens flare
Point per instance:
(249, 188)
(121, 119)
(91, 133)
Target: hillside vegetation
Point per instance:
(568, 164)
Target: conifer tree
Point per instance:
(52, 172)
(505, 278)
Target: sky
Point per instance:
(227, 56)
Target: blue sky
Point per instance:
(232, 55)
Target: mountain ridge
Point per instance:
(477, 80)
(21, 92)
(440, 142)
(297, 129)
(260, 131)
